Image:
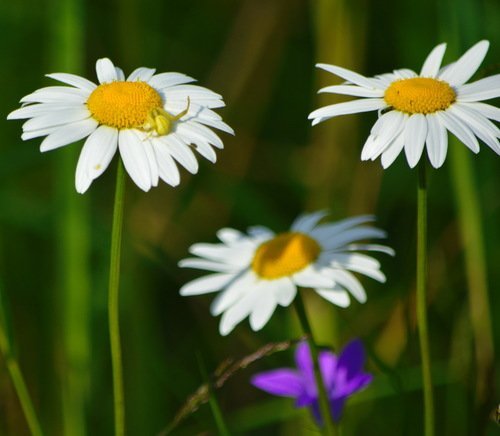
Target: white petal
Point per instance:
(325, 231)
(392, 151)
(181, 152)
(433, 62)
(260, 232)
(35, 110)
(240, 310)
(241, 254)
(306, 222)
(167, 169)
(459, 129)
(165, 80)
(245, 283)
(58, 118)
(405, 73)
(349, 75)
(466, 66)
(359, 263)
(415, 135)
(286, 292)
(193, 130)
(96, 154)
(262, 311)
(37, 133)
(337, 296)
(120, 75)
(384, 131)
(350, 107)
(483, 128)
(57, 94)
(370, 247)
(351, 235)
(437, 141)
(483, 89)
(309, 277)
(356, 91)
(141, 74)
(69, 133)
(350, 282)
(488, 110)
(151, 156)
(135, 159)
(71, 79)
(105, 70)
(206, 284)
(230, 236)
(209, 265)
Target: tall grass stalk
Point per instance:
(16, 375)
(72, 234)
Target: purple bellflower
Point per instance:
(343, 375)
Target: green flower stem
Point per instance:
(328, 428)
(113, 302)
(17, 377)
(421, 299)
(222, 428)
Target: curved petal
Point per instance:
(463, 69)
(135, 158)
(74, 80)
(415, 135)
(349, 75)
(437, 141)
(350, 107)
(337, 296)
(263, 311)
(67, 134)
(105, 71)
(433, 62)
(284, 382)
(96, 154)
(206, 284)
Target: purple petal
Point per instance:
(305, 400)
(337, 406)
(357, 383)
(328, 364)
(284, 382)
(352, 358)
(305, 366)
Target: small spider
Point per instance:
(160, 121)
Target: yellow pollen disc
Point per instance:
(284, 255)
(124, 105)
(419, 95)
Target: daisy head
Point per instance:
(417, 110)
(154, 120)
(254, 272)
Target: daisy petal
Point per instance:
(67, 134)
(239, 311)
(206, 284)
(433, 62)
(135, 159)
(350, 282)
(105, 70)
(166, 80)
(415, 135)
(484, 89)
(337, 296)
(349, 75)
(96, 154)
(466, 66)
(73, 80)
(263, 311)
(459, 129)
(487, 110)
(356, 91)
(141, 74)
(305, 223)
(437, 141)
(350, 107)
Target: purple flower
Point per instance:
(343, 375)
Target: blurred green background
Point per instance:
(260, 55)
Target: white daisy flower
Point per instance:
(257, 271)
(417, 109)
(150, 118)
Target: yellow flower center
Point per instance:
(131, 105)
(285, 254)
(419, 95)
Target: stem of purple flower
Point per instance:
(423, 331)
(328, 428)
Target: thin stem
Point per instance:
(222, 428)
(17, 377)
(421, 299)
(113, 302)
(328, 428)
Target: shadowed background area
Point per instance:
(260, 55)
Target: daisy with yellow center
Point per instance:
(417, 110)
(257, 271)
(154, 120)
